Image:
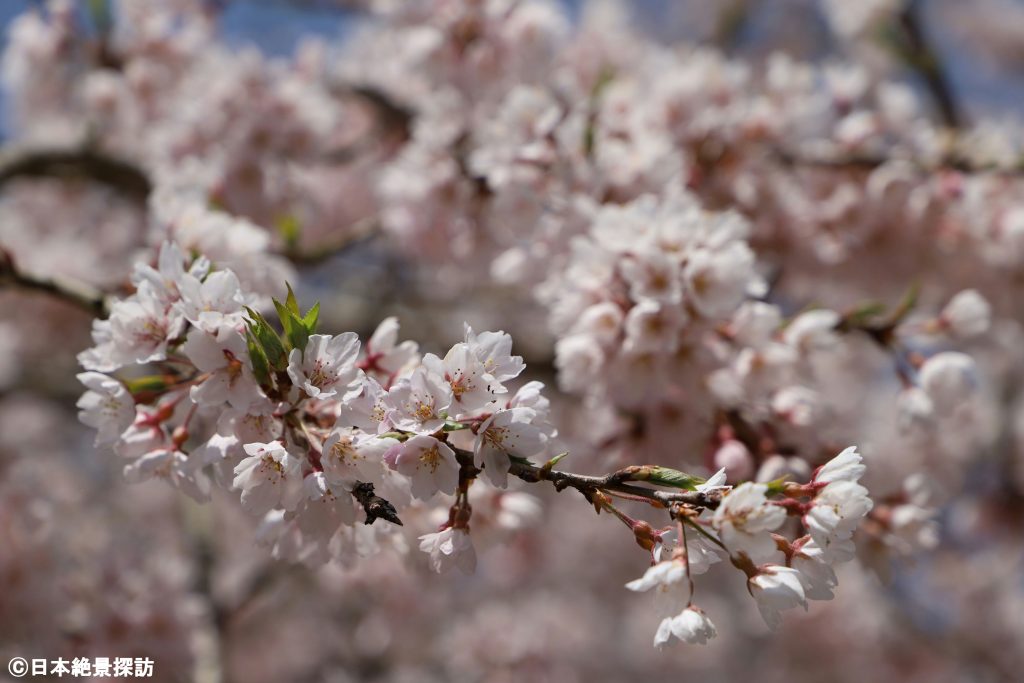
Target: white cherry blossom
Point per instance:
(949, 379)
(691, 625)
(385, 356)
(323, 509)
(174, 466)
(107, 407)
(450, 548)
(776, 588)
(745, 519)
(212, 302)
(350, 455)
(494, 351)
(429, 464)
(816, 572)
(848, 465)
(503, 435)
(966, 315)
(418, 403)
(471, 385)
(327, 366)
(222, 356)
(835, 513)
(269, 477)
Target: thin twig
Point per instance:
(706, 535)
(614, 482)
(921, 56)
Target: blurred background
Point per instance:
(92, 566)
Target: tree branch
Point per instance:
(118, 174)
(614, 482)
(866, 163)
(79, 294)
(921, 56)
(362, 233)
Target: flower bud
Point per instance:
(736, 459)
(967, 314)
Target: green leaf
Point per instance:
(398, 436)
(662, 476)
(296, 332)
(674, 478)
(906, 304)
(291, 302)
(284, 315)
(550, 464)
(777, 486)
(270, 343)
(312, 318)
(863, 315)
(258, 359)
(149, 383)
(290, 228)
(297, 327)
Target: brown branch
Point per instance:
(921, 56)
(118, 174)
(79, 294)
(733, 19)
(866, 163)
(365, 231)
(392, 116)
(616, 482)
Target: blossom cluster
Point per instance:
(309, 428)
(749, 523)
(730, 266)
(299, 424)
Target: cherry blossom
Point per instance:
(416, 403)
(221, 356)
(384, 354)
(450, 548)
(775, 589)
(429, 464)
(692, 626)
(326, 366)
(350, 455)
(718, 260)
(745, 519)
(470, 383)
(506, 434)
(268, 477)
(107, 407)
(967, 314)
(835, 513)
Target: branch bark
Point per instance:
(921, 55)
(78, 294)
(118, 174)
(616, 482)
